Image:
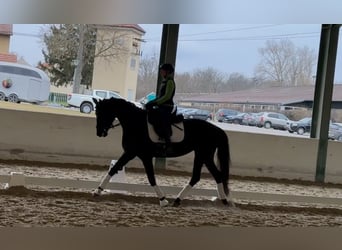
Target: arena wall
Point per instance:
(52, 136)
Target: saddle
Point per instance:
(177, 130)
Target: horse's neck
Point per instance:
(128, 116)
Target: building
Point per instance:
(6, 31)
(261, 99)
(119, 74)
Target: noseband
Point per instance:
(114, 125)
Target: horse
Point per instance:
(202, 137)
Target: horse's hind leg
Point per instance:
(219, 181)
(196, 176)
(122, 161)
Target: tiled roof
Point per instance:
(6, 29)
(8, 57)
(272, 95)
(131, 26)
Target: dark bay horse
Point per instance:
(202, 137)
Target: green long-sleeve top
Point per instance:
(166, 92)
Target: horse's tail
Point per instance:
(223, 156)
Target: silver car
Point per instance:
(272, 120)
(335, 131)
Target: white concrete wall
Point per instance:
(71, 139)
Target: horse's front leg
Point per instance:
(122, 161)
(148, 165)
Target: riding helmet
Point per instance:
(168, 67)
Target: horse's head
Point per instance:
(104, 117)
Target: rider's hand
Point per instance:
(149, 105)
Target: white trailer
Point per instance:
(22, 83)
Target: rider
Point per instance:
(162, 107)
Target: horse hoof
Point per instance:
(225, 202)
(176, 203)
(228, 203)
(231, 204)
(163, 203)
(96, 192)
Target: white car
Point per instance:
(85, 101)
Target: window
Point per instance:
(133, 63)
(115, 95)
(101, 94)
(281, 116)
(19, 71)
(119, 41)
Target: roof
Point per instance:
(136, 27)
(6, 29)
(272, 95)
(8, 57)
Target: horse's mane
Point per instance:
(122, 104)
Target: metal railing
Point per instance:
(58, 98)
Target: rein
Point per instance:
(115, 125)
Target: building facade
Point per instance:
(6, 31)
(119, 73)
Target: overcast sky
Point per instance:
(228, 48)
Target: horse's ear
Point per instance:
(95, 101)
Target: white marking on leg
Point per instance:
(105, 181)
(220, 191)
(162, 201)
(159, 192)
(184, 192)
(230, 201)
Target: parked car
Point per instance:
(272, 120)
(85, 101)
(221, 114)
(198, 114)
(335, 131)
(183, 111)
(236, 119)
(300, 127)
(250, 119)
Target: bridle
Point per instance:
(114, 125)
(105, 130)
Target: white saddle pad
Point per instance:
(177, 133)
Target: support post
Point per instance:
(168, 53)
(323, 94)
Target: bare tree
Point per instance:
(307, 62)
(237, 81)
(184, 83)
(111, 43)
(208, 80)
(72, 48)
(284, 64)
(148, 75)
